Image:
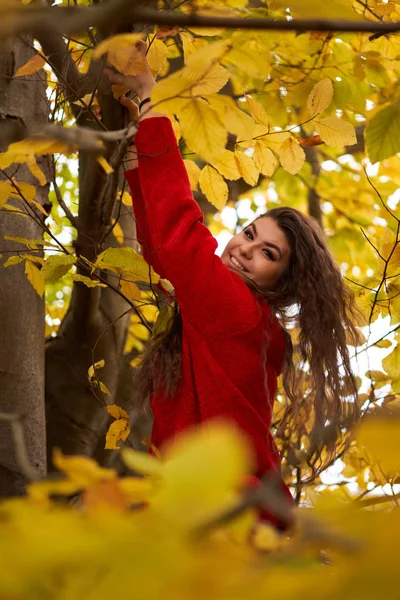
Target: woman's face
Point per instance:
(261, 251)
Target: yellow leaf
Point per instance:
(214, 187)
(56, 266)
(275, 140)
(157, 55)
(24, 190)
(39, 491)
(208, 80)
(222, 458)
(126, 260)
(13, 260)
(36, 170)
(5, 192)
(130, 290)
(87, 100)
(27, 149)
(31, 244)
(126, 199)
(291, 156)
(191, 44)
(34, 258)
(207, 55)
(34, 277)
(104, 388)
(175, 126)
(118, 232)
(380, 437)
(97, 365)
(251, 57)
(264, 159)
(106, 166)
(335, 9)
(381, 344)
(193, 172)
(164, 320)
(149, 444)
(33, 65)
(136, 489)
(87, 281)
(266, 537)
(81, 470)
(140, 462)
(202, 129)
(117, 412)
(171, 93)
(122, 53)
(258, 111)
(167, 285)
(336, 132)
(246, 167)
(391, 363)
(118, 431)
(38, 206)
(227, 165)
(320, 97)
(236, 121)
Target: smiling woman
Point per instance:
(222, 353)
(261, 251)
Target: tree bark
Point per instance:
(22, 101)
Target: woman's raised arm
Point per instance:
(210, 296)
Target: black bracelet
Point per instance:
(143, 102)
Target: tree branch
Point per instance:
(63, 205)
(73, 20)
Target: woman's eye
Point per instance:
(248, 234)
(269, 254)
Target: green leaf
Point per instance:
(127, 261)
(57, 266)
(382, 136)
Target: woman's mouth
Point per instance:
(236, 263)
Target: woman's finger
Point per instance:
(141, 46)
(131, 107)
(116, 78)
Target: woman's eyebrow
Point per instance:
(269, 244)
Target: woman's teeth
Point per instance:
(236, 263)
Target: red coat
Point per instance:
(224, 324)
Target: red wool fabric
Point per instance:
(224, 323)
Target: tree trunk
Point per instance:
(95, 326)
(22, 102)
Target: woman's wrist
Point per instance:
(146, 91)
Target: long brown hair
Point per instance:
(311, 300)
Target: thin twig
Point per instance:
(72, 219)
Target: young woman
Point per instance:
(227, 344)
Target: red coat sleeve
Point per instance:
(142, 227)
(210, 296)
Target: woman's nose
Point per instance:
(246, 250)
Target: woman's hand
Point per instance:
(141, 84)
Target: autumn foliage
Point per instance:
(309, 119)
